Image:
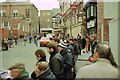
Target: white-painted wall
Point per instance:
(111, 11)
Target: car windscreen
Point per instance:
(45, 38)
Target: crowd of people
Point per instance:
(13, 41)
(62, 62)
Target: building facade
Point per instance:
(73, 17)
(18, 18)
(56, 21)
(46, 21)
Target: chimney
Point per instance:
(28, 1)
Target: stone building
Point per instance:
(18, 18)
(46, 21)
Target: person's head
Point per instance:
(78, 37)
(102, 50)
(40, 55)
(41, 67)
(71, 41)
(51, 47)
(71, 37)
(57, 41)
(93, 37)
(61, 46)
(66, 42)
(16, 69)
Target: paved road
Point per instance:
(25, 54)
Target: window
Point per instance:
(88, 12)
(48, 13)
(6, 24)
(92, 10)
(43, 13)
(2, 13)
(27, 11)
(48, 20)
(15, 13)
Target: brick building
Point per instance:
(18, 18)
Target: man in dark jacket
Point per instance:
(56, 61)
(68, 60)
(43, 72)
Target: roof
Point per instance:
(17, 3)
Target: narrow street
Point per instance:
(25, 54)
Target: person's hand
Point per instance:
(91, 59)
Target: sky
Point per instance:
(43, 4)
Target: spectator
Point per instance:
(18, 72)
(104, 65)
(56, 61)
(25, 39)
(15, 38)
(68, 60)
(43, 72)
(93, 42)
(56, 41)
(40, 56)
(30, 38)
(79, 41)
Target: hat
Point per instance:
(62, 44)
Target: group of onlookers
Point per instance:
(62, 61)
(8, 42)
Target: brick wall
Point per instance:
(106, 31)
(100, 17)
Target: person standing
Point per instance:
(40, 56)
(56, 61)
(16, 40)
(68, 60)
(25, 39)
(30, 38)
(94, 43)
(104, 65)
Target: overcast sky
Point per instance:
(43, 4)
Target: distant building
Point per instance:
(18, 18)
(46, 21)
(56, 21)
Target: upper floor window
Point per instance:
(48, 20)
(48, 13)
(2, 13)
(43, 13)
(27, 11)
(15, 13)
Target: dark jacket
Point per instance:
(56, 65)
(68, 63)
(47, 75)
(33, 75)
(76, 50)
(23, 76)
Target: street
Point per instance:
(25, 54)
